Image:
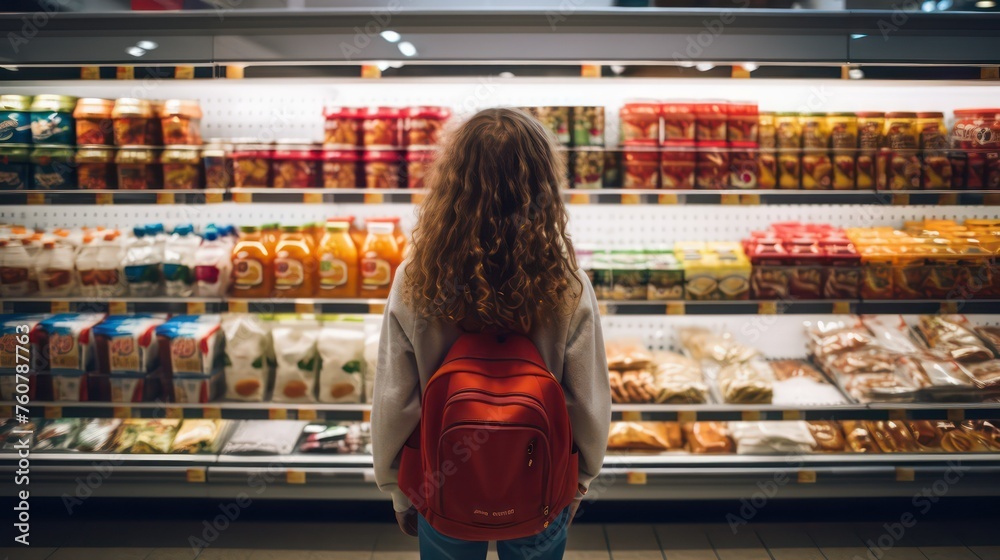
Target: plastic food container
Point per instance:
(588, 126)
(789, 169)
(765, 130)
(817, 169)
(52, 120)
(14, 167)
(342, 129)
(132, 121)
(640, 123)
(382, 169)
(710, 121)
(95, 167)
(788, 131)
(181, 167)
(815, 134)
(218, 165)
(556, 119)
(53, 168)
(381, 127)
(588, 169)
(180, 122)
(742, 124)
(251, 164)
(767, 169)
(898, 163)
(295, 164)
(137, 168)
(423, 125)
(678, 122)
(15, 119)
(417, 163)
(340, 169)
(642, 169)
(712, 169)
(743, 169)
(93, 121)
(677, 166)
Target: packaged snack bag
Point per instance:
(67, 355)
(297, 361)
(191, 357)
(127, 358)
(9, 337)
(247, 371)
(342, 350)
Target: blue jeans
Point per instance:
(547, 545)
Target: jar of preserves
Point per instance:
(817, 170)
(900, 131)
(588, 126)
(181, 167)
(843, 129)
(815, 134)
(931, 131)
(95, 167)
(180, 122)
(14, 166)
(640, 123)
(678, 122)
(588, 169)
(132, 118)
(712, 168)
(154, 128)
(251, 163)
(53, 168)
(382, 169)
(137, 168)
(340, 169)
(677, 166)
(789, 169)
(767, 169)
(788, 131)
(217, 164)
(423, 125)
(556, 119)
(15, 119)
(417, 164)
(710, 121)
(342, 129)
(742, 124)
(381, 127)
(899, 162)
(295, 164)
(93, 122)
(870, 125)
(765, 131)
(52, 120)
(642, 169)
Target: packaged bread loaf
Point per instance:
(985, 375)
(678, 379)
(798, 383)
(962, 441)
(632, 386)
(891, 332)
(627, 354)
(828, 436)
(770, 437)
(833, 337)
(704, 345)
(985, 431)
(953, 336)
(660, 436)
(750, 382)
(707, 437)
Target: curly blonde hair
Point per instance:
(490, 250)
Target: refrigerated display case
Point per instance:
(675, 226)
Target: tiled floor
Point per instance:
(168, 540)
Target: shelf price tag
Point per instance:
(104, 199)
(53, 412)
(307, 414)
(729, 199)
(174, 412)
(313, 198)
(305, 308)
(900, 200)
(36, 198)
(60, 306)
(196, 475)
(211, 412)
(897, 414)
(213, 197)
(376, 308)
(807, 477)
(242, 197)
(956, 415)
(165, 198)
(579, 198)
(841, 308)
(374, 198)
(949, 307)
(947, 199)
(791, 415)
(117, 307)
(122, 412)
(905, 474)
(687, 416)
(125, 73)
(637, 478)
(277, 414)
(295, 477)
(366, 416)
(237, 306)
(590, 71)
(750, 415)
(195, 307)
(183, 72)
(767, 308)
(750, 199)
(667, 199)
(90, 73)
(631, 199)
(675, 308)
(632, 416)
(602, 308)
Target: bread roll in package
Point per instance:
(247, 369)
(342, 352)
(297, 360)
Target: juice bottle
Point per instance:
(253, 266)
(380, 256)
(109, 276)
(357, 234)
(309, 235)
(15, 271)
(294, 265)
(86, 265)
(269, 234)
(212, 267)
(54, 268)
(338, 263)
(397, 232)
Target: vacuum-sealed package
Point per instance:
(264, 437)
(345, 438)
(56, 435)
(954, 337)
(97, 435)
(199, 436)
(678, 379)
(773, 437)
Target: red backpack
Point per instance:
(493, 457)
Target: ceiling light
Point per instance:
(928, 6)
(382, 66)
(135, 51)
(944, 5)
(704, 66)
(750, 66)
(986, 4)
(391, 36)
(857, 36)
(407, 48)
(506, 75)
(617, 69)
(148, 45)
(855, 74)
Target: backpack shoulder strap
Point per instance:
(483, 346)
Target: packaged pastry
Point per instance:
(264, 437)
(720, 349)
(707, 437)
(766, 438)
(342, 355)
(655, 436)
(798, 383)
(831, 337)
(961, 441)
(954, 336)
(56, 435)
(627, 354)
(868, 361)
(146, 436)
(97, 435)
(618, 394)
(879, 387)
(892, 436)
(927, 433)
(297, 361)
(199, 436)
(927, 371)
(858, 438)
(891, 332)
(678, 379)
(749, 382)
(795, 369)
(985, 375)
(828, 436)
(985, 430)
(990, 335)
(247, 370)
(638, 386)
(340, 438)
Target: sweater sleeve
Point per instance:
(396, 399)
(585, 383)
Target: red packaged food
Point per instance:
(712, 170)
(641, 169)
(743, 169)
(251, 165)
(417, 163)
(424, 124)
(640, 123)
(677, 166)
(340, 169)
(842, 278)
(382, 169)
(180, 122)
(295, 164)
(806, 280)
(770, 274)
(131, 121)
(93, 121)
(742, 123)
(381, 127)
(342, 128)
(817, 170)
(710, 121)
(95, 167)
(678, 122)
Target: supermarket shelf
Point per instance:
(530, 36)
(686, 413)
(112, 196)
(114, 304)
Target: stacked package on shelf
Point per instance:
(714, 270)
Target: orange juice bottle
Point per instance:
(357, 234)
(397, 232)
(253, 266)
(310, 235)
(294, 265)
(338, 263)
(269, 234)
(380, 256)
